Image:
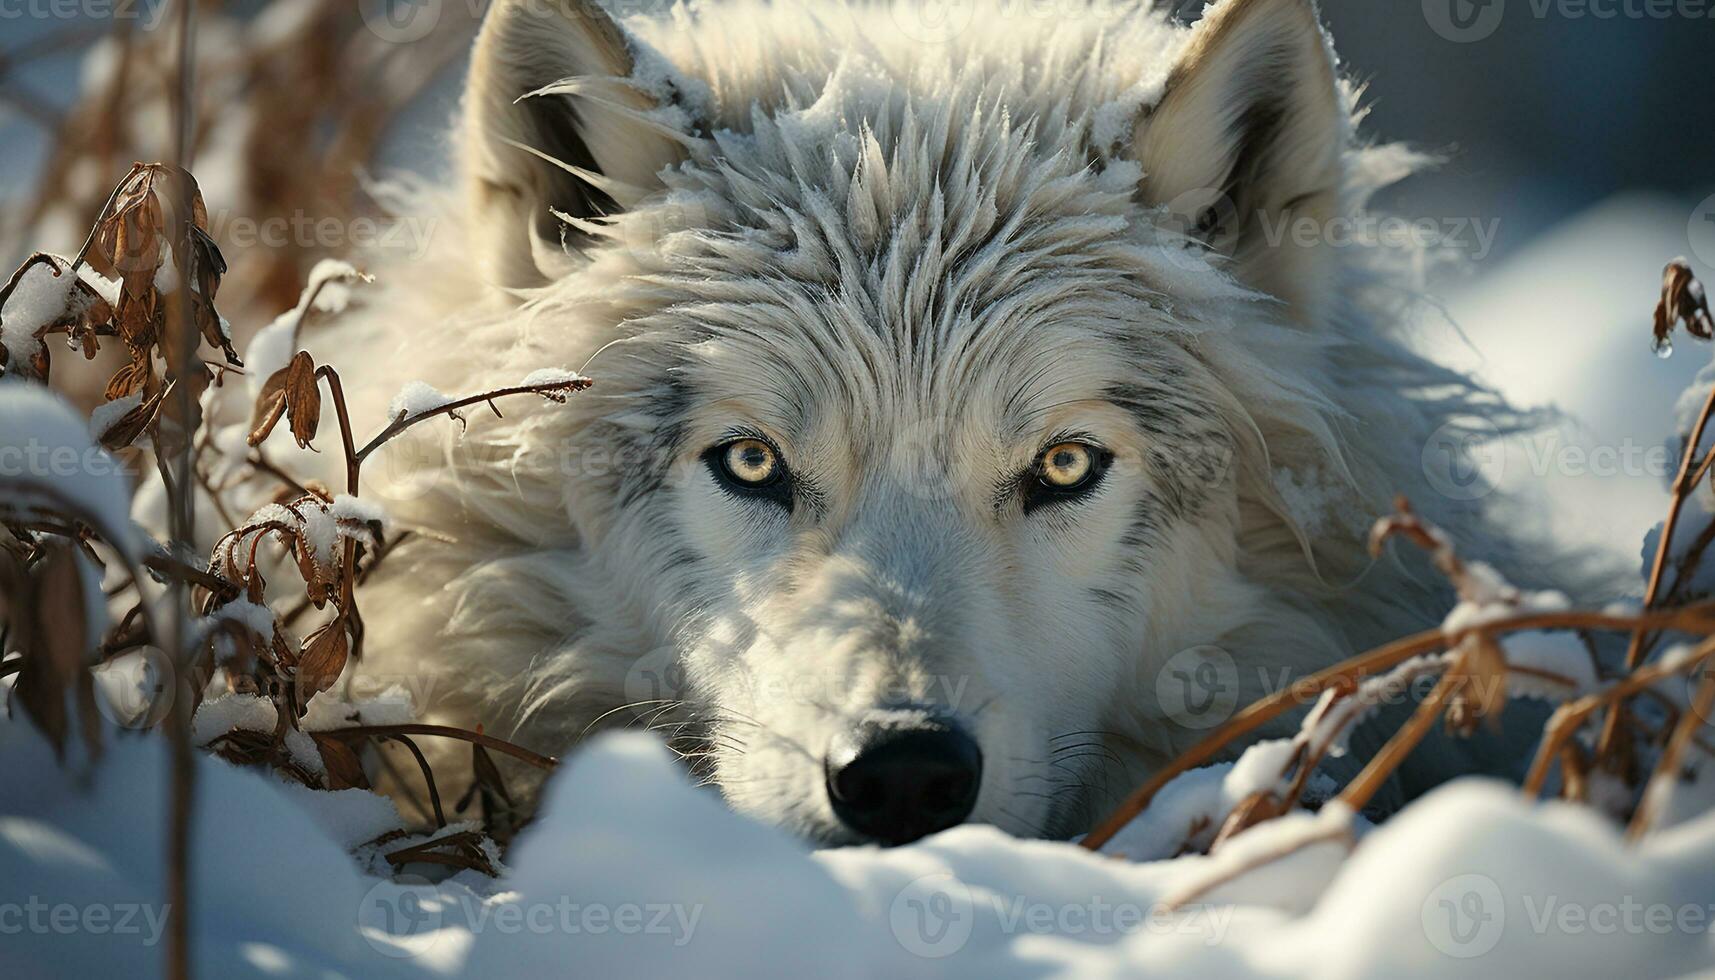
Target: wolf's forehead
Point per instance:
(793, 371)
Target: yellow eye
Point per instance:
(1067, 465)
(751, 462)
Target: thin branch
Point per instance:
(543, 762)
(406, 419)
(1692, 619)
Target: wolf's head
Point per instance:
(951, 373)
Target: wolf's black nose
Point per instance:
(894, 784)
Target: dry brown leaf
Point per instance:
(323, 659)
(57, 634)
(1682, 301)
(344, 768)
(303, 398)
(129, 379)
(1481, 691)
(129, 426)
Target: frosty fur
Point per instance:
(912, 252)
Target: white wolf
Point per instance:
(958, 395)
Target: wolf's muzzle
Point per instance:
(894, 782)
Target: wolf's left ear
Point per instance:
(553, 122)
(1249, 141)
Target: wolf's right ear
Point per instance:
(1250, 136)
(552, 122)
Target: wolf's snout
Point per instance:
(895, 783)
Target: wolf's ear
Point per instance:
(548, 83)
(1248, 141)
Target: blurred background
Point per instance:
(1577, 135)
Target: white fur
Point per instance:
(910, 264)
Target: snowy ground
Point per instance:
(630, 872)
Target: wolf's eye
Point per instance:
(1064, 471)
(1067, 465)
(749, 467)
(750, 462)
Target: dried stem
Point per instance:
(182, 514)
(428, 776)
(1698, 618)
(1363, 787)
(543, 762)
(1666, 773)
(406, 419)
(1569, 717)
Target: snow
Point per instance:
(392, 706)
(107, 414)
(272, 348)
(167, 273)
(107, 289)
(415, 398)
(42, 296)
(1561, 654)
(47, 454)
(258, 619)
(630, 871)
(549, 376)
(345, 507)
(1487, 597)
(330, 283)
(270, 351)
(321, 534)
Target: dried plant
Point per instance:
(146, 275)
(1470, 656)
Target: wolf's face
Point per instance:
(922, 568)
(938, 461)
